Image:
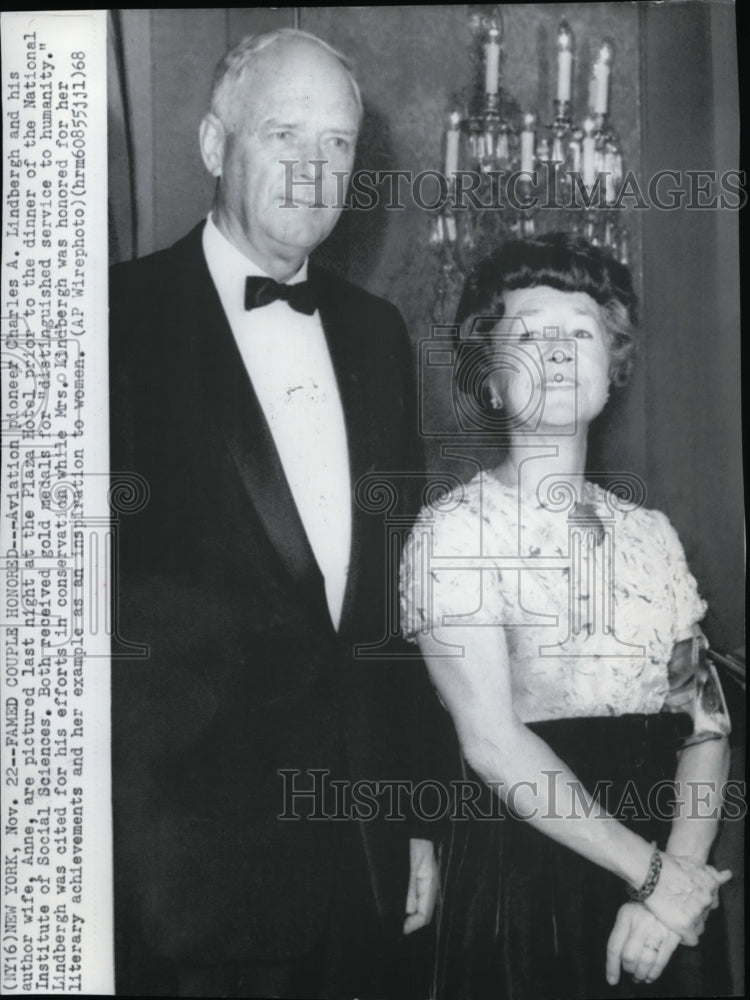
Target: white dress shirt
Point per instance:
(286, 356)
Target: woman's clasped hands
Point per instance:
(640, 944)
(646, 934)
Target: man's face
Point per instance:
(295, 103)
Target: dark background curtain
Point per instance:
(674, 104)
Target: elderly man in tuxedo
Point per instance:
(253, 391)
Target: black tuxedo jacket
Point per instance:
(246, 674)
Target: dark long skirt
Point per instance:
(524, 918)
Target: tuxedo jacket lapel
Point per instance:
(338, 322)
(245, 430)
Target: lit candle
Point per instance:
(589, 167)
(452, 137)
(564, 61)
(601, 69)
(527, 142)
(492, 62)
(575, 151)
(593, 86)
(618, 166)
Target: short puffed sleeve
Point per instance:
(441, 581)
(690, 608)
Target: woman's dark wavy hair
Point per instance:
(570, 264)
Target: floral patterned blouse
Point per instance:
(592, 600)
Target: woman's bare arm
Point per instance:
(476, 688)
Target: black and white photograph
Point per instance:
(373, 535)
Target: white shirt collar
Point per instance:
(229, 266)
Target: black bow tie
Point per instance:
(262, 291)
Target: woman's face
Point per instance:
(553, 359)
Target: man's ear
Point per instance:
(212, 139)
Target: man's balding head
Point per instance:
(279, 138)
(233, 66)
